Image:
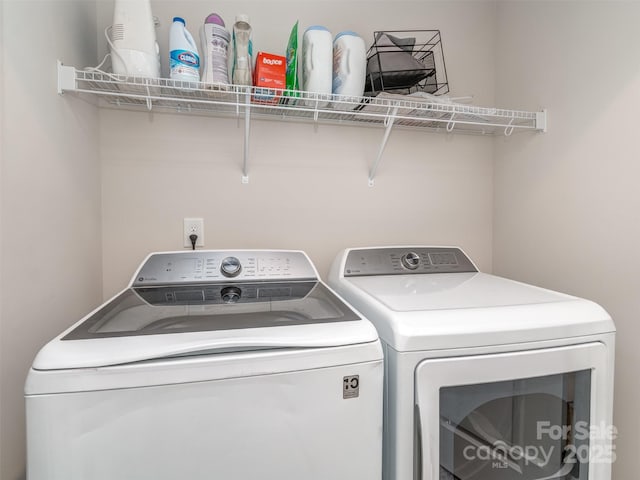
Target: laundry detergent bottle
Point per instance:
(349, 64)
(215, 46)
(184, 60)
(317, 60)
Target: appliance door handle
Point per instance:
(417, 443)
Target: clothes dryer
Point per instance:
(211, 365)
(485, 378)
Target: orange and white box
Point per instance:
(269, 77)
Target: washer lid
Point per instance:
(144, 323)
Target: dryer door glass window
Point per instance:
(527, 429)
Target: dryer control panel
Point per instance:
(206, 266)
(406, 260)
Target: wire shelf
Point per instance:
(196, 97)
(387, 109)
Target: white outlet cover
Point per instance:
(193, 225)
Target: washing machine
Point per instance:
(211, 365)
(485, 378)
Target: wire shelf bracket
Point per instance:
(387, 131)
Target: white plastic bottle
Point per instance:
(317, 61)
(134, 49)
(215, 45)
(242, 51)
(349, 64)
(183, 53)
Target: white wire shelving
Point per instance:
(386, 111)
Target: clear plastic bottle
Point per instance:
(242, 51)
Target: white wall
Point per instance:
(566, 202)
(50, 197)
(2, 121)
(307, 189)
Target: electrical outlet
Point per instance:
(193, 226)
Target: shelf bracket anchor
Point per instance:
(541, 121)
(247, 129)
(388, 123)
(66, 78)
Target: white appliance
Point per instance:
(211, 365)
(134, 49)
(485, 378)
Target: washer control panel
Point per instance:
(406, 261)
(218, 266)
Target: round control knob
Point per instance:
(230, 294)
(230, 267)
(411, 261)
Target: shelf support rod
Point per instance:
(247, 129)
(149, 102)
(389, 125)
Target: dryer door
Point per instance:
(530, 415)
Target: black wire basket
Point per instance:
(406, 61)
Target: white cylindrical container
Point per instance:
(317, 60)
(349, 64)
(134, 49)
(183, 53)
(242, 51)
(215, 45)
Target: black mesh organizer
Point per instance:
(406, 61)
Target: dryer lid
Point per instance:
(461, 310)
(446, 291)
(432, 298)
